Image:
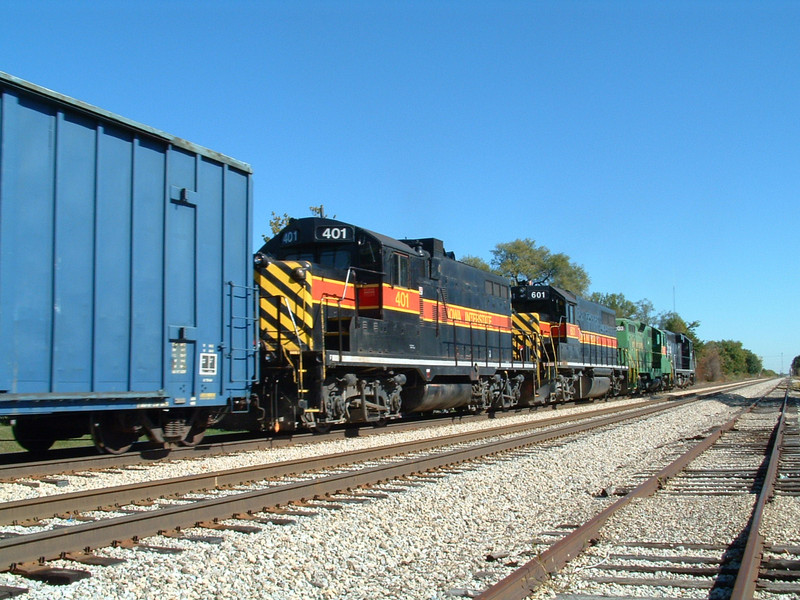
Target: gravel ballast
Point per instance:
(428, 542)
(690, 522)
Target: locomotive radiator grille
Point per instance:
(285, 306)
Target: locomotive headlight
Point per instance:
(259, 259)
(299, 273)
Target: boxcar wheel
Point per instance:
(194, 437)
(32, 438)
(111, 434)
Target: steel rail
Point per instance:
(55, 543)
(31, 509)
(523, 581)
(70, 460)
(746, 579)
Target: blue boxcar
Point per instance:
(126, 305)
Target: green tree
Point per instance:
(672, 321)
(624, 308)
(796, 365)
(641, 310)
(726, 358)
(278, 222)
(734, 360)
(523, 260)
(645, 311)
(752, 363)
(476, 261)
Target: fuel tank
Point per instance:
(436, 396)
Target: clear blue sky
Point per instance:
(655, 143)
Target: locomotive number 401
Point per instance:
(335, 234)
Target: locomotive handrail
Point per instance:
(299, 378)
(526, 351)
(325, 302)
(440, 293)
(347, 283)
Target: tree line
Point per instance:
(523, 261)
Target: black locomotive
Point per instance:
(579, 355)
(359, 327)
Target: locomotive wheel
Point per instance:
(380, 423)
(321, 428)
(111, 434)
(32, 438)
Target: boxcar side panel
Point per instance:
(238, 328)
(147, 299)
(73, 327)
(113, 260)
(26, 244)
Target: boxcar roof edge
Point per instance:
(95, 111)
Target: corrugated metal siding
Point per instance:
(115, 241)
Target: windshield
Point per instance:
(334, 258)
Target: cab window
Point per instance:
(399, 272)
(570, 313)
(298, 255)
(336, 258)
(369, 255)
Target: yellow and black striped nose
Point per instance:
(527, 334)
(286, 320)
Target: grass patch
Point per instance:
(8, 444)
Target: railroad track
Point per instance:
(72, 460)
(27, 552)
(615, 563)
(16, 465)
(70, 475)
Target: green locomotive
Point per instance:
(656, 359)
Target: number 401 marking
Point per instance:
(334, 233)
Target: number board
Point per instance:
(290, 237)
(531, 293)
(334, 234)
